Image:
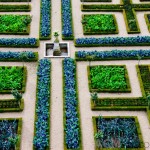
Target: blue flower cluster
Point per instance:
(41, 139)
(18, 42)
(114, 41)
(122, 54)
(67, 30)
(72, 128)
(16, 55)
(45, 20)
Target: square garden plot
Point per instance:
(99, 24)
(12, 78)
(10, 133)
(117, 133)
(111, 78)
(15, 24)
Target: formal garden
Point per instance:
(75, 75)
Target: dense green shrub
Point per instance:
(108, 78)
(11, 78)
(15, 24)
(99, 24)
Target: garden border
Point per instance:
(96, 0)
(15, 0)
(78, 108)
(15, 8)
(127, 90)
(62, 23)
(12, 109)
(100, 32)
(48, 37)
(137, 126)
(35, 116)
(147, 21)
(19, 60)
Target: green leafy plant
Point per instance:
(99, 23)
(11, 78)
(14, 23)
(108, 77)
(94, 97)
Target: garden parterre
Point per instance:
(72, 128)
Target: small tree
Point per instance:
(13, 141)
(148, 99)
(139, 58)
(94, 98)
(24, 57)
(56, 34)
(17, 95)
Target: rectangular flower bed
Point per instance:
(42, 111)
(99, 24)
(72, 130)
(25, 56)
(15, 24)
(10, 133)
(12, 78)
(110, 78)
(117, 133)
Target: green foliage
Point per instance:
(108, 77)
(102, 23)
(14, 23)
(16, 94)
(14, 140)
(11, 78)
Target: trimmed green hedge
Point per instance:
(94, 120)
(11, 105)
(128, 88)
(23, 82)
(15, 8)
(147, 17)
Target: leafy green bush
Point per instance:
(108, 78)
(99, 24)
(14, 23)
(11, 78)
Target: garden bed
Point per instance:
(67, 21)
(72, 136)
(109, 78)
(99, 24)
(45, 20)
(42, 110)
(12, 78)
(115, 133)
(10, 133)
(112, 55)
(15, 24)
